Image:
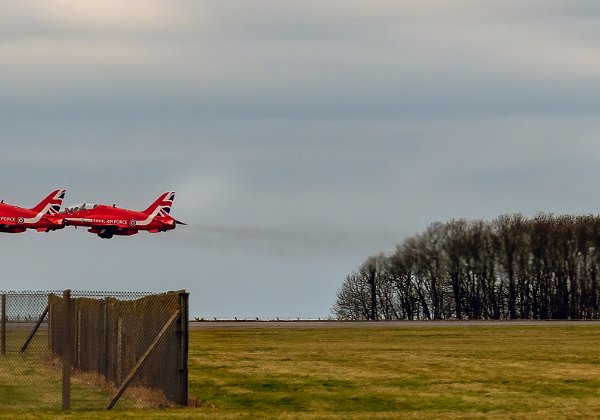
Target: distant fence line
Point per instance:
(261, 319)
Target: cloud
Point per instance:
(64, 17)
(309, 60)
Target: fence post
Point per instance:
(104, 340)
(3, 326)
(77, 337)
(67, 350)
(119, 356)
(183, 335)
(50, 329)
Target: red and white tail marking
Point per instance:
(162, 205)
(51, 204)
(48, 206)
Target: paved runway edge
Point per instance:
(201, 325)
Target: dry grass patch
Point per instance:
(542, 370)
(421, 372)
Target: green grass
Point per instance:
(546, 370)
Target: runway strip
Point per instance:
(207, 325)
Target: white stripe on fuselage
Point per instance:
(76, 219)
(39, 216)
(113, 222)
(150, 218)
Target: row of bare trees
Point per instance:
(545, 267)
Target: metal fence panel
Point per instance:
(104, 349)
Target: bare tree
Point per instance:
(513, 267)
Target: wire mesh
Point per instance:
(119, 349)
(28, 380)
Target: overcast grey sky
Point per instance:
(300, 137)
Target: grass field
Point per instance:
(543, 370)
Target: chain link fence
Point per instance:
(92, 350)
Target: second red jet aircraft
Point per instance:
(44, 217)
(107, 221)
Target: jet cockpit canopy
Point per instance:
(78, 207)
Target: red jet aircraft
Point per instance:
(44, 217)
(106, 221)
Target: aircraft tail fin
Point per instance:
(51, 204)
(162, 205)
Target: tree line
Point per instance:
(514, 267)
